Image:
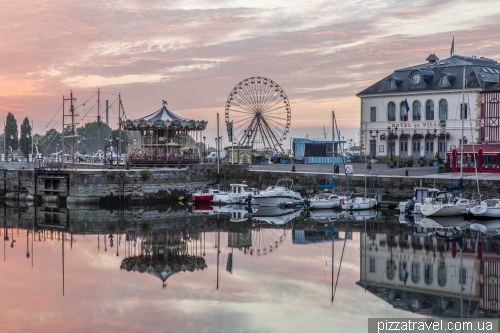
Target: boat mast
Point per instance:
(218, 143)
(463, 121)
(333, 145)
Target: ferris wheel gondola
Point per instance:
(260, 113)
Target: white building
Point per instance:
(433, 92)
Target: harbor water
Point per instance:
(201, 269)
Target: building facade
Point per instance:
(416, 112)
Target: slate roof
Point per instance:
(477, 71)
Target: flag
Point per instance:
(407, 109)
(452, 50)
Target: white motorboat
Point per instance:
(446, 204)
(487, 208)
(421, 196)
(325, 201)
(236, 193)
(278, 195)
(358, 203)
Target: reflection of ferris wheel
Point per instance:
(260, 112)
(265, 240)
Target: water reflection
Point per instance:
(177, 265)
(416, 271)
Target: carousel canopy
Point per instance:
(164, 118)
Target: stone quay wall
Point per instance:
(107, 186)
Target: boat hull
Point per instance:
(444, 210)
(203, 198)
(276, 200)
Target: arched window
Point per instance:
(442, 275)
(402, 269)
(429, 273)
(391, 269)
(443, 109)
(416, 110)
(415, 272)
(402, 111)
(429, 110)
(391, 110)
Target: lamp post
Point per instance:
(204, 150)
(12, 147)
(27, 147)
(391, 132)
(105, 156)
(374, 137)
(110, 153)
(118, 149)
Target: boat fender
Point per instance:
(256, 192)
(341, 201)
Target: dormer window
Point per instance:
(446, 78)
(394, 82)
(444, 81)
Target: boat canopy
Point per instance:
(459, 186)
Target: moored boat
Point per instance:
(278, 195)
(205, 195)
(236, 193)
(487, 208)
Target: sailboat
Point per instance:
(445, 203)
(327, 201)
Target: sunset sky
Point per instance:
(192, 53)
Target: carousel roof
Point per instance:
(164, 118)
(163, 114)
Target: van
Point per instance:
(213, 155)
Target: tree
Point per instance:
(11, 129)
(50, 142)
(25, 142)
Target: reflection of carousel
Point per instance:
(166, 138)
(163, 254)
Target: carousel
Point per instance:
(165, 138)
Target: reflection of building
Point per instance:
(311, 235)
(239, 239)
(434, 277)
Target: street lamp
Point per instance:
(12, 147)
(118, 150)
(374, 147)
(105, 156)
(392, 132)
(110, 153)
(204, 150)
(27, 147)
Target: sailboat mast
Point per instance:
(463, 121)
(218, 143)
(333, 145)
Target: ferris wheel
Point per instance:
(260, 113)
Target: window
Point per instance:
(402, 269)
(462, 278)
(372, 265)
(429, 273)
(442, 275)
(416, 146)
(415, 272)
(429, 110)
(373, 114)
(391, 112)
(443, 109)
(444, 82)
(429, 146)
(403, 145)
(416, 110)
(460, 141)
(402, 111)
(391, 84)
(464, 110)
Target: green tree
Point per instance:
(51, 141)
(25, 142)
(11, 132)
